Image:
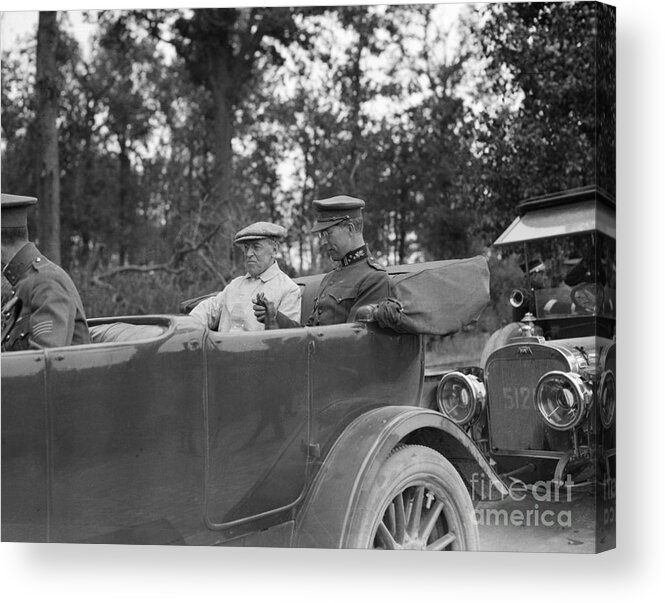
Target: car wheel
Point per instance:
(417, 501)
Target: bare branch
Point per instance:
(211, 268)
(136, 268)
(173, 266)
(95, 281)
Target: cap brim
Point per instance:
(251, 238)
(319, 226)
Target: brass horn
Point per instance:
(517, 298)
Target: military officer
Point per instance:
(45, 309)
(356, 281)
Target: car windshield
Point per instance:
(572, 276)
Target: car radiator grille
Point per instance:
(514, 421)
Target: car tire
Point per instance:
(416, 501)
(497, 340)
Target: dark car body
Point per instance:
(164, 432)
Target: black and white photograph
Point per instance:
(310, 277)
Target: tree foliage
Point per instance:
(541, 59)
(178, 127)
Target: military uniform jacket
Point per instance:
(46, 310)
(358, 281)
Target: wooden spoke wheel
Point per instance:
(418, 501)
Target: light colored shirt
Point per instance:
(232, 308)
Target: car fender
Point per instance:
(357, 455)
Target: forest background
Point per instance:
(151, 147)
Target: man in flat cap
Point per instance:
(356, 281)
(231, 309)
(45, 309)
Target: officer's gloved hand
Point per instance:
(265, 312)
(389, 314)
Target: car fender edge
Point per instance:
(327, 512)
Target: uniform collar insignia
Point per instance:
(355, 256)
(17, 266)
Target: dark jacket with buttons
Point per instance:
(46, 310)
(358, 281)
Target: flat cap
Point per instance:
(335, 210)
(260, 230)
(15, 210)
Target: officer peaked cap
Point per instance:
(260, 230)
(15, 210)
(335, 210)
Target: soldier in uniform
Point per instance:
(45, 309)
(356, 281)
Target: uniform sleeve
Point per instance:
(7, 290)
(290, 304)
(374, 288)
(52, 315)
(209, 311)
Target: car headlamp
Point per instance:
(562, 399)
(461, 397)
(607, 398)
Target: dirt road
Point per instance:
(537, 525)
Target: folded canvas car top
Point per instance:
(437, 298)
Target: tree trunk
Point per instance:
(220, 81)
(356, 115)
(126, 210)
(47, 114)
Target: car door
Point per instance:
(355, 367)
(257, 411)
(25, 467)
(127, 439)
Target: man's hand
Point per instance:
(388, 314)
(265, 312)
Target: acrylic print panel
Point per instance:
(461, 152)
